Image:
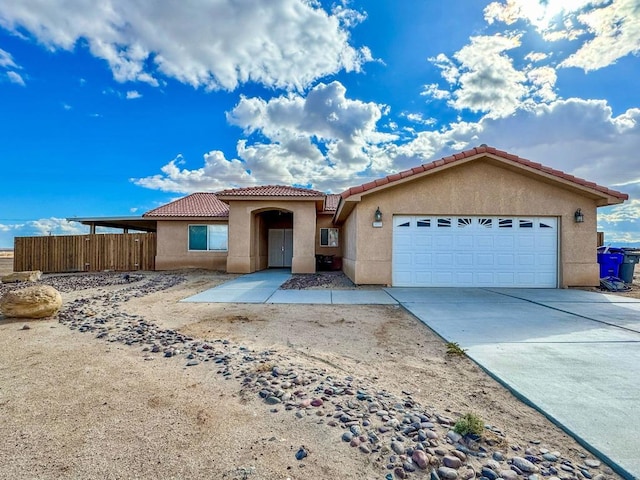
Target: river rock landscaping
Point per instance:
(395, 433)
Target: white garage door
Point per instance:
(475, 251)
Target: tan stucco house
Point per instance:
(482, 217)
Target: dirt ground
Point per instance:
(76, 406)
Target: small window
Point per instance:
(444, 222)
(505, 223)
(485, 222)
(328, 237)
(545, 225)
(405, 224)
(526, 223)
(208, 237)
(464, 222)
(424, 222)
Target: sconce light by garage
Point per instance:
(578, 216)
(377, 218)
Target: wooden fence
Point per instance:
(85, 253)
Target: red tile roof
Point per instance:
(331, 203)
(270, 191)
(194, 205)
(476, 151)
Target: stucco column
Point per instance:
(304, 239)
(240, 238)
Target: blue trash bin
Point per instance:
(610, 261)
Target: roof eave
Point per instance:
(602, 195)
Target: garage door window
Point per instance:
(444, 222)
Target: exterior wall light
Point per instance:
(579, 216)
(378, 215)
(377, 218)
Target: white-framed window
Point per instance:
(209, 238)
(328, 237)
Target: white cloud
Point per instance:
(204, 43)
(43, 226)
(55, 226)
(6, 60)
(485, 79)
(543, 81)
(323, 139)
(536, 56)
(16, 78)
(616, 34)
(609, 29)
(419, 118)
(433, 91)
(133, 94)
(216, 174)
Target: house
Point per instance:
(481, 218)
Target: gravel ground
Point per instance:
(128, 382)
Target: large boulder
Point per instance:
(39, 301)
(30, 276)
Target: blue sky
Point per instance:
(114, 109)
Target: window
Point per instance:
(424, 222)
(525, 223)
(444, 222)
(208, 237)
(464, 222)
(505, 223)
(328, 237)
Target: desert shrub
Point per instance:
(453, 348)
(470, 423)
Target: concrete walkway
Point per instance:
(264, 287)
(573, 355)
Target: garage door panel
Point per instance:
(546, 260)
(504, 241)
(442, 241)
(526, 241)
(483, 241)
(443, 259)
(422, 241)
(546, 242)
(526, 260)
(484, 279)
(475, 251)
(422, 259)
(484, 259)
(464, 260)
(464, 241)
(464, 278)
(505, 259)
(423, 277)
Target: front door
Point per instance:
(280, 247)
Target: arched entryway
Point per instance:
(275, 232)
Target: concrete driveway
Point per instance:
(574, 355)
